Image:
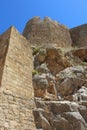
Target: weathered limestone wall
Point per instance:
(79, 35)
(16, 91)
(3, 51)
(46, 32)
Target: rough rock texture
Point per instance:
(56, 61)
(44, 86)
(46, 32)
(81, 53)
(79, 36)
(16, 90)
(58, 75)
(60, 89)
(70, 80)
(60, 115)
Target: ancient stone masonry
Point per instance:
(46, 90)
(46, 32)
(16, 91)
(79, 35)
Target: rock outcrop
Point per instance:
(60, 87)
(79, 36)
(70, 80)
(81, 53)
(56, 60)
(46, 32)
(54, 78)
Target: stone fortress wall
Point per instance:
(16, 65)
(16, 91)
(47, 31)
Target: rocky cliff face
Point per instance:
(79, 35)
(59, 75)
(60, 89)
(57, 70)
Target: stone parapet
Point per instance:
(47, 31)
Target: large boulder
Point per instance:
(82, 93)
(56, 61)
(59, 107)
(79, 96)
(76, 120)
(44, 86)
(61, 115)
(60, 123)
(81, 53)
(83, 112)
(40, 84)
(70, 80)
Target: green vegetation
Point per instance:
(34, 72)
(36, 49)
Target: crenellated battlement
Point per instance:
(47, 31)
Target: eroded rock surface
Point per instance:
(56, 61)
(59, 77)
(60, 87)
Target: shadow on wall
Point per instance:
(4, 43)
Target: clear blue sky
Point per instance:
(18, 12)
